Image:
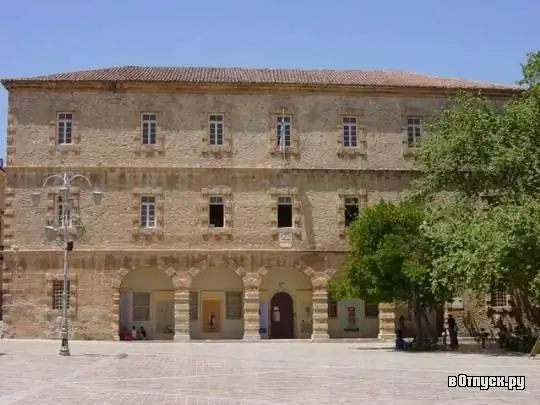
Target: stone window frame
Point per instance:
(360, 194)
(73, 285)
(406, 114)
(149, 122)
(361, 146)
(148, 234)
(239, 309)
(216, 150)
(65, 149)
(333, 308)
(149, 150)
(274, 194)
(294, 148)
(216, 233)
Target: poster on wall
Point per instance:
(263, 317)
(211, 316)
(351, 317)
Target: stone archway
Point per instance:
(144, 298)
(217, 304)
(296, 284)
(123, 278)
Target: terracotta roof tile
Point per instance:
(209, 75)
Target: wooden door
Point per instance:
(281, 316)
(211, 316)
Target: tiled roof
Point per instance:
(213, 75)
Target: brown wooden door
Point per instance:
(281, 316)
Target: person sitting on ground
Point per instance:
(143, 333)
(133, 333)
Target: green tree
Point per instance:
(484, 148)
(390, 260)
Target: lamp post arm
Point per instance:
(80, 176)
(53, 177)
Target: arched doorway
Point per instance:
(147, 301)
(298, 293)
(282, 316)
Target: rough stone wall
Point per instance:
(180, 171)
(107, 129)
(96, 276)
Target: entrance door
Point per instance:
(164, 320)
(281, 316)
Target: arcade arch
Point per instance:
(146, 299)
(286, 304)
(216, 305)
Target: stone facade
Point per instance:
(180, 170)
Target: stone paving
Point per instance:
(102, 373)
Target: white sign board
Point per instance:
(285, 239)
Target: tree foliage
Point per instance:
(484, 148)
(442, 239)
(390, 259)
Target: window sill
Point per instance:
(217, 233)
(411, 151)
(216, 150)
(150, 149)
(66, 148)
(293, 230)
(351, 151)
(147, 233)
(288, 150)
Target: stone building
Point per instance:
(226, 196)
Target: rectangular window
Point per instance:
(371, 310)
(283, 131)
(64, 128)
(285, 212)
(332, 308)
(499, 297)
(233, 304)
(148, 212)
(351, 210)
(215, 129)
(350, 132)
(216, 212)
(141, 306)
(58, 293)
(149, 129)
(193, 305)
(414, 131)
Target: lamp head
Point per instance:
(35, 198)
(51, 233)
(98, 195)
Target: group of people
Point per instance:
(451, 331)
(138, 334)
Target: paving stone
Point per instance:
(32, 373)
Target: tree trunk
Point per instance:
(420, 338)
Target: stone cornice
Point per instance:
(18, 169)
(382, 91)
(179, 260)
(127, 177)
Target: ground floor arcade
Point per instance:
(186, 296)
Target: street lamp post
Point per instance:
(65, 229)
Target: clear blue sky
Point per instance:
(476, 39)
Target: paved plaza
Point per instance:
(269, 373)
